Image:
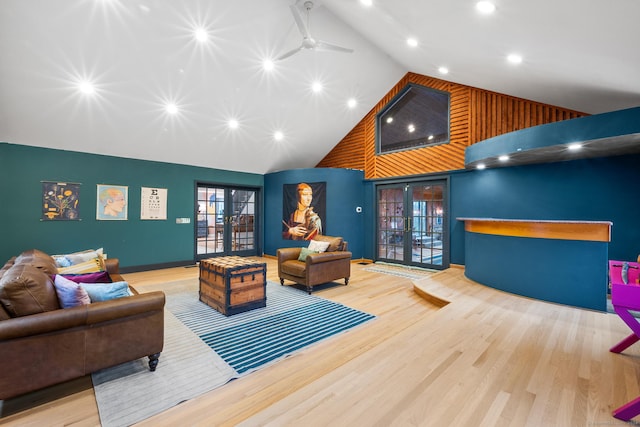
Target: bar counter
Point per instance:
(560, 261)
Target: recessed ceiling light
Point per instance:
(201, 35)
(366, 2)
(171, 108)
(481, 166)
(268, 65)
(351, 103)
(411, 128)
(443, 70)
(514, 58)
(86, 88)
(412, 42)
(278, 136)
(233, 124)
(316, 87)
(503, 158)
(485, 7)
(575, 146)
(389, 119)
(430, 137)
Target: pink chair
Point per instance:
(625, 297)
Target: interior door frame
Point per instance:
(399, 182)
(228, 231)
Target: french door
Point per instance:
(226, 221)
(412, 224)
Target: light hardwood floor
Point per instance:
(486, 358)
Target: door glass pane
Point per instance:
(244, 208)
(225, 218)
(427, 224)
(210, 220)
(391, 223)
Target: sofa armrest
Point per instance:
(125, 307)
(286, 254)
(67, 318)
(42, 323)
(327, 256)
(112, 265)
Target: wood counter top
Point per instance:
(597, 231)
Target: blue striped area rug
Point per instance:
(247, 341)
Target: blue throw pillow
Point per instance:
(106, 291)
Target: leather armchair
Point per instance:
(318, 268)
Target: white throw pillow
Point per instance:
(315, 245)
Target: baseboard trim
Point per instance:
(148, 267)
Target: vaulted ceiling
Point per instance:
(137, 57)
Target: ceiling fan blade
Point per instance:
(322, 45)
(302, 27)
(288, 54)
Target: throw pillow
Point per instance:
(304, 253)
(106, 291)
(91, 266)
(318, 246)
(625, 273)
(334, 242)
(67, 260)
(70, 293)
(25, 290)
(80, 257)
(7, 266)
(61, 261)
(97, 277)
(38, 259)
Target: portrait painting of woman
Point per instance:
(303, 210)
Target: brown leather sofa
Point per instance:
(317, 268)
(52, 344)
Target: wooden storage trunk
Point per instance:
(233, 284)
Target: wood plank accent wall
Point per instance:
(476, 115)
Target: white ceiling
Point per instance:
(140, 54)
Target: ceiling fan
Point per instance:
(309, 42)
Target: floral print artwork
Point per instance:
(60, 201)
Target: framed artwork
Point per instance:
(153, 203)
(60, 201)
(303, 210)
(112, 202)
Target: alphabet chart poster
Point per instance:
(153, 203)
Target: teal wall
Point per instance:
(345, 192)
(600, 189)
(135, 242)
(568, 272)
